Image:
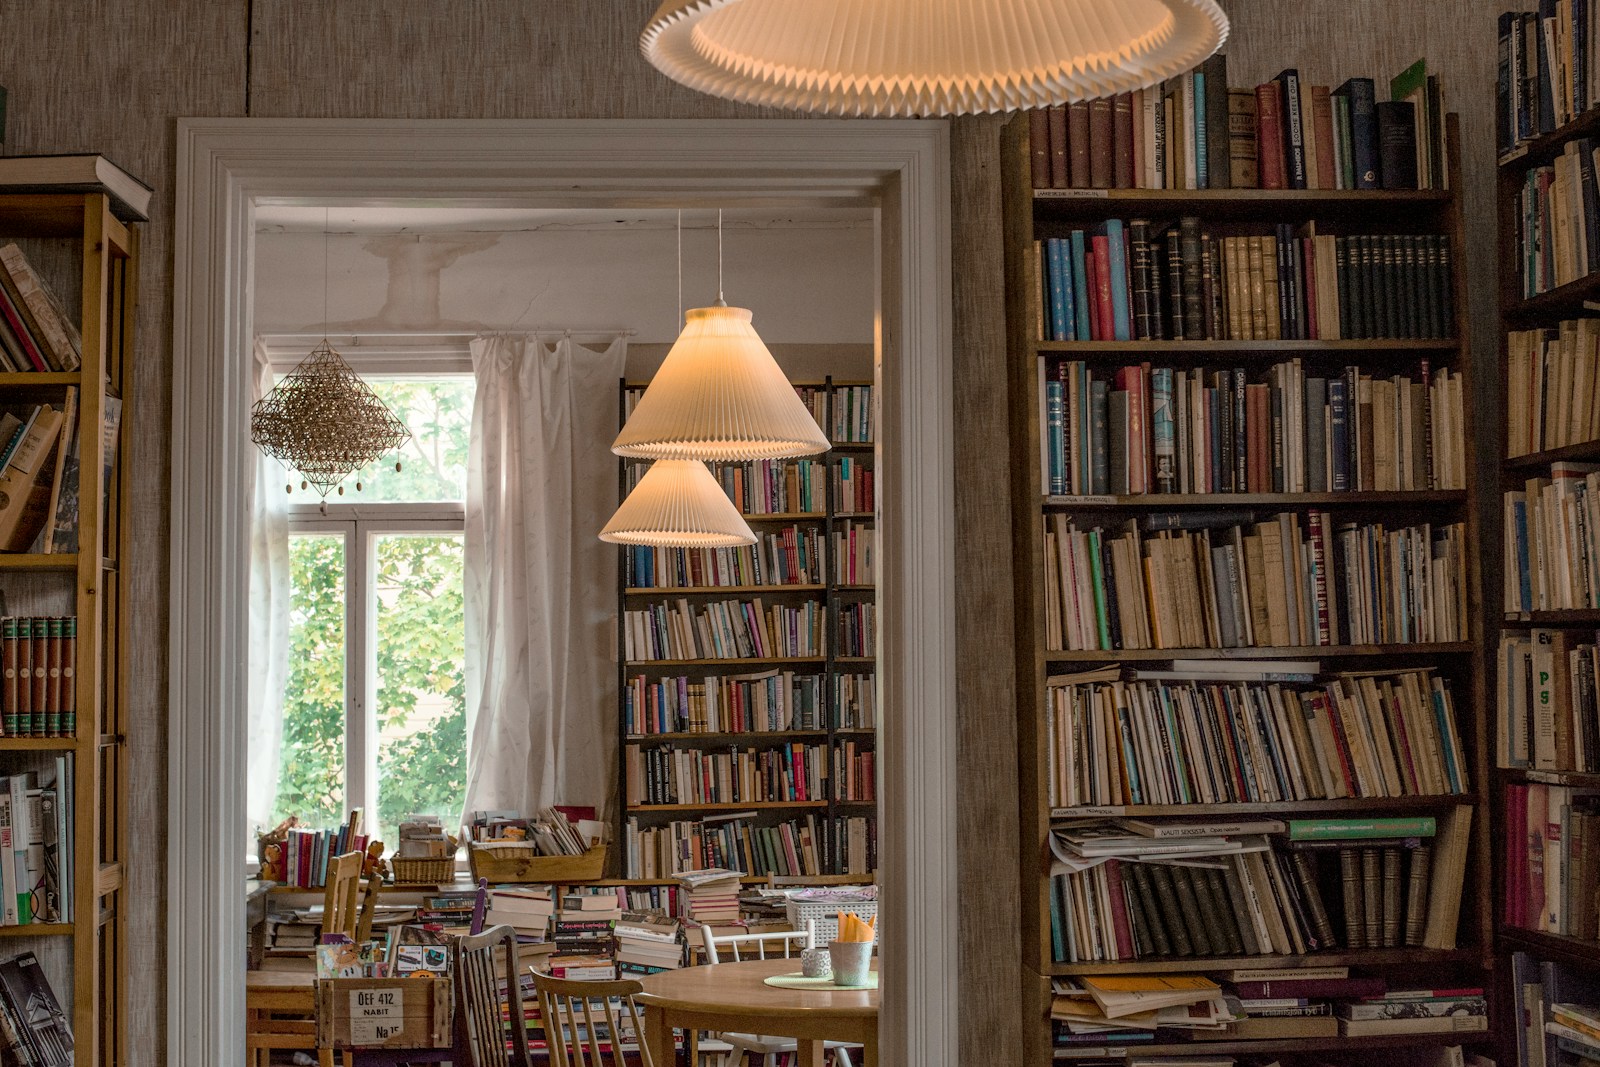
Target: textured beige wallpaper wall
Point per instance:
(113, 75)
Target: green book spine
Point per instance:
(1355, 931)
(1171, 910)
(1101, 618)
(1156, 930)
(1138, 921)
(1372, 896)
(1305, 871)
(1225, 920)
(1417, 895)
(1360, 829)
(1200, 930)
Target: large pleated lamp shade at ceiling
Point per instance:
(678, 504)
(886, 58)
(719, 395)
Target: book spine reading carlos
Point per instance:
(1251, 728)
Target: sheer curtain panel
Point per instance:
(269, 620)
(540, 585)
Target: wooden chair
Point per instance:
(480, 1032)
(581, 1035)
(779, 944)
(281, 1006)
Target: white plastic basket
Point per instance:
(825, 915)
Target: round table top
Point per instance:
(738, 988)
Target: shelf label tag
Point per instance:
(1071, 194)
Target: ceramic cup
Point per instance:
(850, 961)
(814, 963)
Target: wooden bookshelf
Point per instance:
(832, 595)
(89, 947)
(1029, 213)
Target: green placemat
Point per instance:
(800, 981)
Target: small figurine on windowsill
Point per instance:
(272, 850)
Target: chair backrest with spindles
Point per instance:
(340, 893)
(481, 1031)
(588, 1024)
(778, 944)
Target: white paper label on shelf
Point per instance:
(1071, 194)
(1088, 811)
(376, 1015)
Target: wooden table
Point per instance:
(732, 997)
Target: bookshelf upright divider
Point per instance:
(1453, 510)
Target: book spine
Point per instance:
(1294, 145)
(1102, 165)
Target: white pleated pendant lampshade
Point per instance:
(678, 504)
(927, 57)
(720, 395)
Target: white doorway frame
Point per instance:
(226, 167)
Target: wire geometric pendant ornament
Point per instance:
(323, 421)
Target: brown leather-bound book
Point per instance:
(9, 657)
(1269, 136)
(1102, 144)
(1244, 169)
(1322, 129)
(1058, 138)
(1355, 908)
(52, 706)
(1121, 140)
(1202, 934)
(24, 676)
(1305, 872)
(1215, 904)
(41, 676)
(1039, 146)
(1155, 926)
(1078, 143)
(1391, 898)
(1171, 910)
(1417, 894)
(1372, 897)
(69, 676)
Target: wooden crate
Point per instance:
(402, 1013)
(519, 863)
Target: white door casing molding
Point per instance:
(227, 166)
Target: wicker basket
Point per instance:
(502, 862)
(825, 914)
(423, 871)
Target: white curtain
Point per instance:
(540, 585)
(268, 667)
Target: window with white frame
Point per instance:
(375, 708)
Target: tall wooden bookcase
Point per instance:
(1031, 215)
(833, 595)
(85, 959)
(1573, 300)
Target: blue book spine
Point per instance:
(1080, 287)
(1099, 423)
(1119, 280)
(1441, 718)
(1163, 439)
(1055, 420)
(1519, 521)
(1202, 173)
(1130, 757)
(1338, 420)
(1059, 271)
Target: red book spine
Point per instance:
(1120, 927)
(1319, 580)
(1128, 381)
(1533, 825)
(1516, 818)
(1408, 767)
(1325, 705)
(1322, 125)
(1039, 146)
(1269, 136)
(1102, 287)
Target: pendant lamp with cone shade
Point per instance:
(678, 504)
(888, 58)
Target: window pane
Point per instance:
(311, 775)
(438, 412)
(422, 705)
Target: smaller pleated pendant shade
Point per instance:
(720, 395)
(678, 504)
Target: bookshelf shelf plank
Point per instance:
(1235, 1046)
(648, 664)
(1546, 147)
(1356, 958)
(750, 805)
(1273, 351)
(38, 744)
(787, 516)
(1562, 301)
(1265, 652)
(709, 590)
(1223, 501)
(725, 737)
(1252, 204)
(38, 561)
(37, 930)
(1285, 808)
(13, 380)
(1586, 617)
(1576, 779)
(1552, 946)
(1583, 452)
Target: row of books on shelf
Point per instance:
(1195, 132)
(1129, 1010)
(858, 629)
(792, 772)
(771, 701)
(1255, 886)
(302, 860)
(812, 845)
(1552, 383)
(1555, 1013)
(724, 629)
(34, 1031)
(39, 655)
(792, 555)
(1263, 584)
(1552, 540)
(1141, 429)
(1133, 283)
(1557, 215)
(1546, 76)
(848, 414)
(1552, 859)
(790, 486)
(36, 854)
(36, 333)
(1548, 701)
(1208, 734)
(39, 472)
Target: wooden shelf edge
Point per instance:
(711, 590)
(1053, 656)
(718, 735)
(1583, 451)
(1258, 348)
(1250, 198)
(1224, 501)
(1355, 958)
(755, 805)
(42, 744)
(1202, 1046)
(1561, 617)
(1536, 776)
(37, 930)
(1273, 807)
(38, 561)
(635, 664)
(1556, 946)
(1546, 146)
